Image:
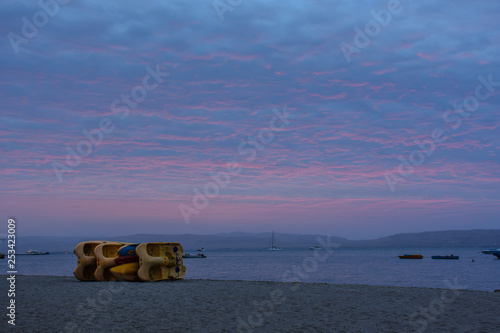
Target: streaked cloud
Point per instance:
(324, 172)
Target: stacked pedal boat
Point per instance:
(117, 261)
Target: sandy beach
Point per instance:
(64, 304)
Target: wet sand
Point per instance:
(64, 304)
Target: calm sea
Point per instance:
(342, 266)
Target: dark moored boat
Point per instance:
(446, 257)
(33, 253)
(200, 255)
(411, 256)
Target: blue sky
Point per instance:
(178, 94)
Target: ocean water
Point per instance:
(340, 266)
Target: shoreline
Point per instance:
(64, 304)
(301, 282)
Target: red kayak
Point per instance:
(126, 260)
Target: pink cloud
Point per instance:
(385, 71)
(425, 56)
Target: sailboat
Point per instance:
(273, 247)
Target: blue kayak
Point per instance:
(127, 250)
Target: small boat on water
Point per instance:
(316, 247)
(411, 256)
(491, 251)
(199, 255)
(273, 247)
(446, 257)
(33, 253)
(201, 249)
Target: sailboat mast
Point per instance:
(273, 247)
(271, 243)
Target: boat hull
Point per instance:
(128, 250)
(411, 256)
(199, 255)
(126, 260)
(126, 272)
(87, 262)
(273, 247)
(160, 261)
(491, 251)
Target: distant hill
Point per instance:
(240, 240)
(236, 240)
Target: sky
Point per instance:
(357, 119)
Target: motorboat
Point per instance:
(201, 249)
(491, 251)
(34, 253)
(316, 247)
(411, 256)
(199, 255)
(446, 257)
